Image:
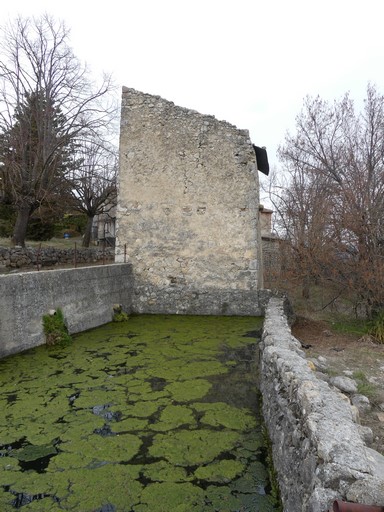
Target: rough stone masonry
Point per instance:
(187, 215)
(318, 451)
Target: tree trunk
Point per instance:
(21, 225)
(305, 291)
(88, 231)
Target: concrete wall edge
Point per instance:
(86, 296)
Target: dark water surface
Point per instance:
(157, 414)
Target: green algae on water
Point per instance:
(223, 471)
(190, 447)
(171, 496)
(156, 414)
(173, 417)
(188, 390)
(163, 471)
(226, 415)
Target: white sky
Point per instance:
(248, 62)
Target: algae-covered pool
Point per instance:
(157, 414)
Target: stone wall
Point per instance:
(318, 452)
(187, 210)
(86, 296)
(30, 257)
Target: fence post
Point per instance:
(75, 258)
(125, 253)
(38, 257)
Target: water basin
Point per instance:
(157, 414)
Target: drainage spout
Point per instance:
(343, 506)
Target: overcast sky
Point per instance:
(248, 62)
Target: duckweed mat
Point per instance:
(157, 414)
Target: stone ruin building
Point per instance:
(188, 210)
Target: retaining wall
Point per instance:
(206, 301)
(14, 258)
(317, 450)
(86, 295)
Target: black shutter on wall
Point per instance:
(262, 159)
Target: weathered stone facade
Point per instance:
(187, 215)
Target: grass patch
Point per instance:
(376, 328)
(359, 327)
(55, 330)
(364, 387)
(120, 317)
(331, 372)
(351, 326)
(325, 303)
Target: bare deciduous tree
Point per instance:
(93, 181)
(47, 102)
(333, 206)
